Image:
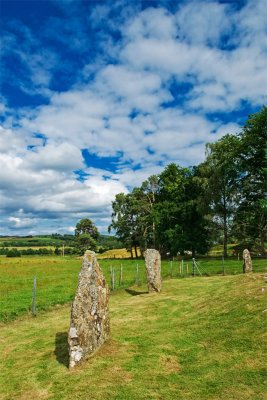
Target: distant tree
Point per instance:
(124, 218)
(86, 235)
(57, 251)
(13, 253)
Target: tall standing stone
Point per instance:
(89, 323)
(247, 263)
(153, 270)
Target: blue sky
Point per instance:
(97, 96)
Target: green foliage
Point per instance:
(219, 174)
(180, 225)
(13, 253)
(250, 221)
(162, 213)
(86, 235)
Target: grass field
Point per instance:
(199, 339)
(57, 278)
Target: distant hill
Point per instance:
(105, 242)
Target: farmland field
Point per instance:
(57, 278)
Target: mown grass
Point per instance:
(200, 338)
(57, 278)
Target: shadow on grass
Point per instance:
(61, 348)
(134, 292)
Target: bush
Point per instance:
(13, 253)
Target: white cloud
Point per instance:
(57, 157)
(203, 22)
(134, 107)
(21, 223)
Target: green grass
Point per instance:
(200, 338)
(57, 278)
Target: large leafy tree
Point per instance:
(220, 173)
(133, 216)
(180, 225)
(250, 220)
(124, 220)
(86, 235)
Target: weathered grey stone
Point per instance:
(89, 324)
(153, 270)
(247, 263)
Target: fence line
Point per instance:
(18, 294)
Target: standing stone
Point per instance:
(89, 322)
(247, 263)
(153, 270)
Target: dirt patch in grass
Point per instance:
(169, 364)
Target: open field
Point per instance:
(201, 338)
(57, 278)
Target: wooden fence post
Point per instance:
(137, 274)
(34, 297)
(171, 269)
(121, 275)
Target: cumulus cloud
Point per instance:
(150, 94)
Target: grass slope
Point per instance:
(201, 338)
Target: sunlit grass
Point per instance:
(57, 278)
(200, 338)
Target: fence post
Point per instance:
(34, 297)
(187, 268)
(137, 274)
(111, 272)
(113, 278)
(223, 265)
(182, 266)
(171, 269)
(193, 267)
(121, 275)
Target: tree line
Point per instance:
(221, 200)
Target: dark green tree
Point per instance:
(220, 174)
(179, 223)
(250, 223)
(86, 235)
(124, 220)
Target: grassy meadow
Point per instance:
(57, 278)
(200, 338)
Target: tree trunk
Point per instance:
(132, 252)
(154, 235)
(135, 250)
(225, 234)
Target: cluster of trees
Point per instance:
(86, 237)
(14, 252)
(189, 209)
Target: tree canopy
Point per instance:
(86, 235)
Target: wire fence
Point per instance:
(44, 289)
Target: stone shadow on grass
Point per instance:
(134, 292)
(61, 348)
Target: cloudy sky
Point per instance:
(98, 95)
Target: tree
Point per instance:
(250, 223)
(124, 218)
(86, 235)
(13, 253)
(220, 173)
(180, 226)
